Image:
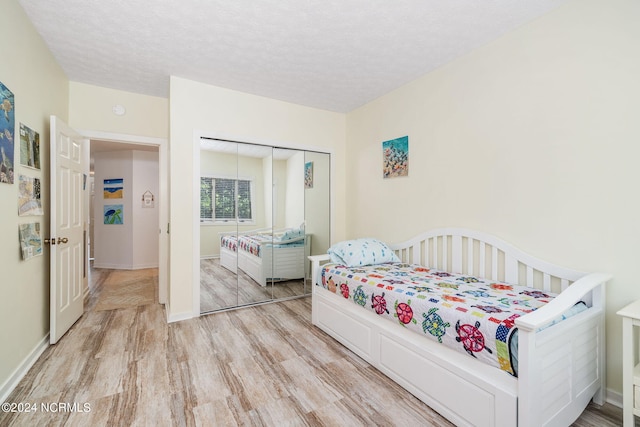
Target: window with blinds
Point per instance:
(223, 199)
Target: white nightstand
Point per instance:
(630, 367)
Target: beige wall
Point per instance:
(226, 113)
(91, 109)
(40, 89)
(534, 137)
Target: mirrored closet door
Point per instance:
(218, 225)
(263, 211)
(291, 243)
(317, 206)
(255, 223)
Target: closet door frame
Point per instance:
(197, 136)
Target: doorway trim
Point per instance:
(163, 199)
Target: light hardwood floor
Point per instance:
(221, 288)
(264, 365)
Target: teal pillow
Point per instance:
(359, 252)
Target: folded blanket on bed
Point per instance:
(473, 315)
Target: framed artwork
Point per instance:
(148, 200)
(113, 188)
(308, 175)
(113, 214)
(29, 147)
(29, 202)
(395, 157)
(7, 133)
(30, 240)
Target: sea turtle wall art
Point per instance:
(113, 214)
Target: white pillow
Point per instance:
(359, 252)
(292, 234)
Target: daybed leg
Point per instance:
(598, 398)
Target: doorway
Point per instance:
(142, 211)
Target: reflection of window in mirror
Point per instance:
(225, 200)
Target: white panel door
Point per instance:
(67, 225)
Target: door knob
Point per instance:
(62, 240)
(50, 241)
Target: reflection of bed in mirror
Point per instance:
(278, 261)
(229, 251)
(229, 247)
(266, 257)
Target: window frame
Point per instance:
(236, 220)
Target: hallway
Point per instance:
(117, 289)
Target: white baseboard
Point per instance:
(177, 317)
(143, 266)
(125, 267)
(17, 375)
(614, 398)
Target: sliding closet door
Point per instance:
(263, 211)
(255, 224)
(317, 202)
(218, 225)
(290, 235)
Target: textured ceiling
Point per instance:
(333, 54)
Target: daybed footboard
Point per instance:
(563, 367)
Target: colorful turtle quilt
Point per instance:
(230, 242)
(470, 314)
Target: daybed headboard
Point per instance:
(464, 251)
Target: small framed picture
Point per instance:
(113, 214)
(7, 133)
(29, 147)
(308, 175)
(113, 188)
(395, 157)
(30, 240)
(29, 202)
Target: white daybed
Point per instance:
(561, 368)
(276, 260)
